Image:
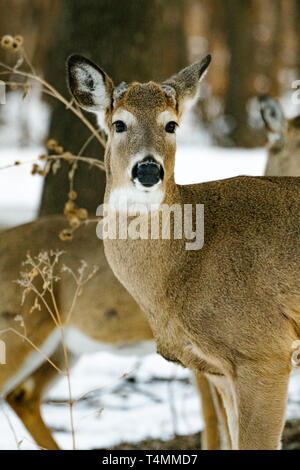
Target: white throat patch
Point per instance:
(135, 198)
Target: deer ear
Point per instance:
(185, 84)
(91, 87)
(272, 114)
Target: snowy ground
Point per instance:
(147, 405)
(19, 190)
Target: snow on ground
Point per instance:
(146, 404)
(131, 410)
(19, 190)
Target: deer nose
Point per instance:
(148, 172)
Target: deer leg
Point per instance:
(261, 397)
(225, 404)
(225, 439)
(255, 403)
(210, 435)
(216, 432)
(26, 399)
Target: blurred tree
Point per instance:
(297, 30)
(253, 47)
(130, 42)
(239, 22)
(34, 20)
(205, 30)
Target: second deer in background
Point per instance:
(283, 137)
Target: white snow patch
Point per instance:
(20, 192)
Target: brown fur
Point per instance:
(104, 312)
(232, 309)
(284, 156)
(92, 314)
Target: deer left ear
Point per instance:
(185, 84)
(272, 114)
(91, 87)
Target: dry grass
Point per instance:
(44, 267)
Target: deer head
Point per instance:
(141, 121)
(283, 134)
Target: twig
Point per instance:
(92, 161)
(58, 96)
(6, 330)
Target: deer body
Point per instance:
(96, 314)
(105, 317)
(194, 285)
(230, 310)
(282, 162)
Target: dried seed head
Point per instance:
(15, 46)
(42, 157)
(51, 144)
(71, 214)
(66, 235)
(58, 149)
(26, 89)
(69, 206)
(19, 39)
(13, 86)
(17, 163)
(67, 156)
(72, 195)
(82, 213)
(7, 41)
(74, 222)
(35, 169)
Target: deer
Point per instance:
(283, 139)
(105, 318)
(229, 309)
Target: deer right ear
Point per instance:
(272, 114)
(184, 86)
(91, 87)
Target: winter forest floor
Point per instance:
(290, 441)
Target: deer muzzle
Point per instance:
(148, 172)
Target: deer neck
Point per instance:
(143, 265)
(282, 163)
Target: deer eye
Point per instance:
(171, 127)
(120, 126)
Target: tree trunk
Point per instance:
(239, 28)
(252, 31)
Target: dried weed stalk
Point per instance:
(41, 274)
(26, 73)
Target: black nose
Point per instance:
(148, 172)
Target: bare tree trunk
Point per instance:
(239, 17)
(297, 30)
